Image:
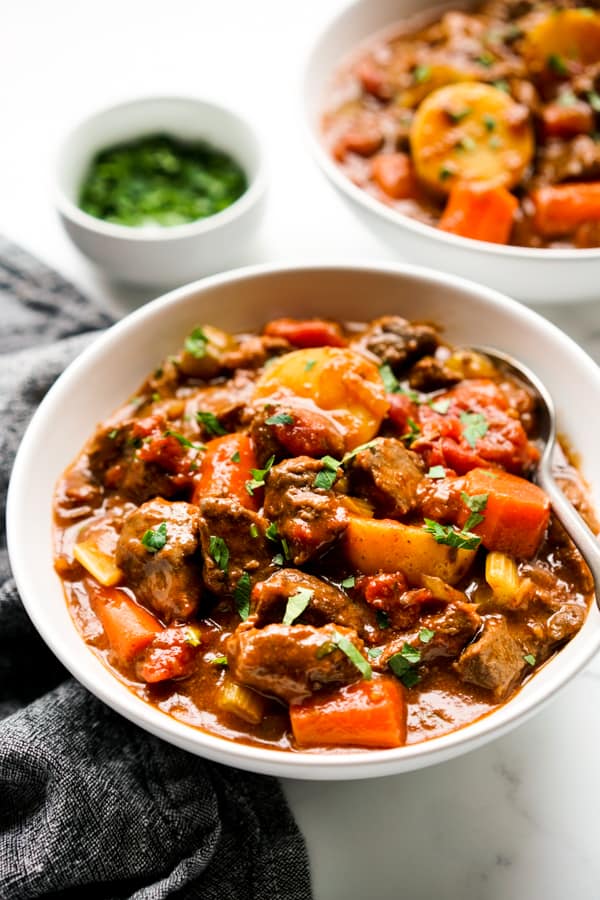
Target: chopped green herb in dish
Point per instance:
(159, 180)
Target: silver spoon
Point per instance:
(583, 537)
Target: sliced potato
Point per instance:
(385, 545)
(339, 381)
(100, 565)
(563, 36)
(471, 132)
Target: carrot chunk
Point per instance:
(478, 212)
(394, 174)
(129, 628)
(226, 467)
(561, 208)
(515, 516)
(567, 121)
(305, 333)
(365, 714)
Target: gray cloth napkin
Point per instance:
(90, 805)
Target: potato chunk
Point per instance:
(561, 37)
(471, 132)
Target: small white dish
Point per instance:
(161, 256)
(114, 366)
(531, 275)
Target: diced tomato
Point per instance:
(170, 654)
(401, 410)
(305, 333)
(373, 80)
(567, 121)
(165, 451)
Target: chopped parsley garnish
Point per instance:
(272, 532)
(374, 652)
(466, 144)
(594, 100)
(155, 538)
(192, 637)
(280, 419)
(557, 64)
(285, 548)
(185, 442)
(277, 559)
(568, 98)
(310, 364)
(421, 74)
(219, 551)
(296, 605)
(325, 479)
(530, 658)
(352, 453)
(112, 434)
(253, 530)
(486, 59)
(440, 406)
(382, 618)
(218, 661)
(196, 343)
(436, 472)
(211, 423)
(457, 116)
(445, 173)
(390, 382)
(495, 143)
(236, 457)
(258, 476)
(347, 647)
(477, 504)
(474, 426)
(349, 582)
(402, 665)
(426, 634)
(489, 122)
(241, 595)
(413, 432)
(447, 534)
(502, 85)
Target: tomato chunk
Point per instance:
(304, 333)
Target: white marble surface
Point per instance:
(518, 818)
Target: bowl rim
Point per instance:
(344, 765)
(256, 183)
(360, 196)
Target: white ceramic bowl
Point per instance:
(534, 276)
(160, 256)
(117, 363)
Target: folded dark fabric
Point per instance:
(90, 805)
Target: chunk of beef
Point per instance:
(560, 160)
(452, 628)
(494, 661)
(253, 351)
(309, 518)
(386, 474)
(290, 661)
(228, 402)
(77, 492)
(305, 430)
(234, 548)
(210, 352)
(166, 580)
(171, 654)
(327, 603)
(430, 374)
(565, 622)
(397, 342)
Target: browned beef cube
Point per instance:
(452, 629)
(430, 374)
(304, 430)
(168, 579)
(233, 542)
(495, 661)
(386, 474)
(290, 661)
(397, 342)
(310, 519)
(327, 602)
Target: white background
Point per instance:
(516, 819)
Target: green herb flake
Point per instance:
(258, 476)
(112, 434)
(196, 343)
(466, 144)
(502, 85)
(413, 432)
(219, 551)
(285, 548)
(382, 618)
(310, 364)
(402, 665)
(374, 652)
(192, 637)
(436, 472)
(241, 595)
(236, 457)
(211, 423)
(476, 503)
(457, 116)
(296, 605)
(426, 634)
(352, 453)
(155, 538)
(280, 419)
(440, 406)
(594, 100)
(253, 530)
(474, 427)
(390, 382)
(486, 59)
(557, 64)
(272, 532)
(349, 582)
(325, 479)
(530, 659)
(185, 442)
(447, 534)
(445, 173)
(568, 98)
(495, 143)
(325, 649)
(219, 661)
(421, 74)
(278, 559)
(489, 122)
(354, 655)
(410, 678)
